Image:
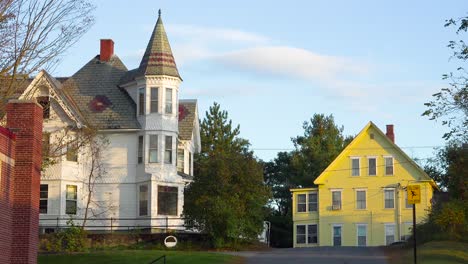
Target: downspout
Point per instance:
(398, 212)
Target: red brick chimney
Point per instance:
(107, 49)
(24, 118)
(390, 133)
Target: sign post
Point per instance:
(414, 197)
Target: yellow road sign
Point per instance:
(414, 194)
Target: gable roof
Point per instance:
(324, 175)
(95, 90)
(55, 90)
(158, 58)
(187, 115)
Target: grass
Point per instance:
(440, 252)
(138, 256)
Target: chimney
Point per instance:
(107, 49)
(390, 133)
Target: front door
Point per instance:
(336, 235)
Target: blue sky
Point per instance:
(273, 64)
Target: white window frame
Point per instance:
(140, 200)
(308, 202)
(153, 149)
(71, 199)
(154, 100)
(141, 149)
(341, 197)
(356, 198)
(169, 110)
(305, 234)
(169, 151)
(357, 235)
(297, 203)
(359, 166)
(385, 165)
(141, 103)
(384, 198)
(368, 165)
(333, 234)
(385, 232)
(44, 198)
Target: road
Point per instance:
(331, 255)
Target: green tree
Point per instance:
(226, 200)
(321, 143)
(450, 105)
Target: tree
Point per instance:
(321, 143)
(33, 35)
(450, 105)
(227, 197)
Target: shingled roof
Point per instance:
(158, 58)
(94, 88)
(187, 115)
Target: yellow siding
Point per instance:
(375, 216)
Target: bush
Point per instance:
(71, 239)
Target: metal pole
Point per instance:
(58, 224)
(414, 233)
(111, 224)
(167, 223)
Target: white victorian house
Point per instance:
(151, 138)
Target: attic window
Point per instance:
(44, 101)
(372, 136)
(99, 103)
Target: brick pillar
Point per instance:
(7, 153)
(24, 118)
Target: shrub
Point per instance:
(452, 219)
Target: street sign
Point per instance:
(414, 194)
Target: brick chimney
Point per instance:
(107, 49)
(390, 133)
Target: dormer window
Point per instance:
(168, 101)
(141, 101)
(154, 100)
(44, 101)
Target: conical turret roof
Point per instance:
(158, 58)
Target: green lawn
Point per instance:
(437, 252)
(138, 256)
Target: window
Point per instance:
(180, 160)
(190, 163)
(337, 235)
(168, 150)
(312, 202)
(44, 101)
(140, 149)
(388, 165)
(336, 200)
(389, 233)
(43, 195)
(354, 166)
(154, 100)
(71, 197)
(167, 200)
(362, 235)
(72, 151)
(143, 200)
(407, 205)
(372, 166)
(141, 101)
(360, 199)
(301, 202)
(312, 234)
(153, 148)
(389, 198)
(168, 101)
(300, 234)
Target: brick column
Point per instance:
(24, 118)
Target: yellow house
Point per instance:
(360, 198)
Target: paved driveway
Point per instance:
(332, 255)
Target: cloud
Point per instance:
(292, 62)
(212, 34)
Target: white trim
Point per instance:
(385, 165)
(305, 234)
(359, 166)
(355, 196)
(332, 234)
(385, 232)
(341, 197)
(7, 160)
(357, 234)
(376, 165)
(394, 197)
(308, 201)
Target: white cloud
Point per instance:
(213, 34)
(293, 62)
